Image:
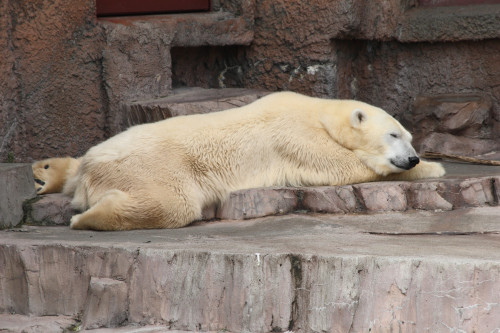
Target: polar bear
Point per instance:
(162, 175)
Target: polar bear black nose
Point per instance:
(414, 160)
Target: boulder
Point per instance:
(453, 124)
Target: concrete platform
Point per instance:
(412, 270)
(418, 271)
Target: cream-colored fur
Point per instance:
(162, 175)
(51, 174)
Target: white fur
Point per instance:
(162, 175)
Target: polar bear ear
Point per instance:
(358, 117)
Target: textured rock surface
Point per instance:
(141, 68)
(340, 199)
(258, 202)
(16, 186)
(186, 101)
(344, 49)
(412, 69)
(106, 304)
(65, 74)
(459, 124)
(465, 186)
(53, 209)
(12, 323)
(403, 271)
(60, 64)
(50, 59)
(459, 145)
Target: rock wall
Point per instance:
(449, 88)
(67, 76)
(51, 100)
(389, 55)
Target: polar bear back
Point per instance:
(275, 141)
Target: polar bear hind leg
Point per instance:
(118, 210)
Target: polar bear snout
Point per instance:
(408, 164)
(412, 161)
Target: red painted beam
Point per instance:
(130, 7)
(437, 3)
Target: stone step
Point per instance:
(465, 186)
(221, 26)
(186, 101)
(16, 186)
(393, 271)
(137, 59)
(15, 323)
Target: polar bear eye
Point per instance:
(46, 166)
(395, 135)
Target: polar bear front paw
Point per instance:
(422, 170)
(430, 169)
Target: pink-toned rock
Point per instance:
(252, 203)
(453, 124)
(478, 192)
(141, 68)
(50, 209)
(425, 196)
(471, 192)
(55, 279)
(140, 329)
(466, 295)
(209, 213)
(458, 145)
(496, 187)
(449, 190)
(187, 101)
(383, 196)
(13, 283)
(443, 194)
(14, 323)
(330, 199)
(468, 115)
(297, 273)
(106, 304)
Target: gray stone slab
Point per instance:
(14, 323)
(406, 271)
(106, 304)
(51, 209)
(16, 186)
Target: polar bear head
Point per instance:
(51, 174)
(378, 139)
